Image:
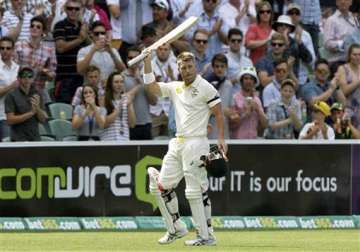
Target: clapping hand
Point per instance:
(35, 103)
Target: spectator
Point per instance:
(238, 14)
(271, 92)
(70, 36)
(349, 78)
(98, 14)
(3, 30)
(321, 89)
(353, 38)
(179, 9)
(8, 73)
(295, 47)
(115, 8)
(92, 78)
(199, 43)
(341, 123)
(160, 11)
(265, 66)
(89, 118)
(318, 129)
(259, 33)
(147, 37)
(99, 53)
(248, 113)
(236, 59)
(341, 23)
(284, 116)
(302, 36)
(165, 70)
(223, 85)
(310, 19)
(38, 55)
(210, 21)
(134, 14)
(142, 99)
(120, 111)
(35, 7)
(17, 20)
(23, 109)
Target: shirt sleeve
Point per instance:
(211, 95)
(81, 54)
(166, 88)
(59, 31)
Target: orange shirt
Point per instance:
(257, 32)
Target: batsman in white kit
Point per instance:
(194, 101)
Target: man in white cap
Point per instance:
(248, 111)
(294, 12)
(296, 47)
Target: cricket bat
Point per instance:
(173, 35)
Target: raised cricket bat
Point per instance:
(173, 35)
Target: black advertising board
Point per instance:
(110, 180)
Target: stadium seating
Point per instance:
(60, 110)
(61, 129)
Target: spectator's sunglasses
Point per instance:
(265, 11)
(294, 12)
(3, 48)
(201, 41)
(213, 1)
(236, 40)
(26, 74)
(70, 8)
(99, 33)
(274, 44)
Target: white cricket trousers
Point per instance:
(183, 160)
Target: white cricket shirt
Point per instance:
(192, 105)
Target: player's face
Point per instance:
(219, 69)
(187, 71)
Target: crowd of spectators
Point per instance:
(285, 69)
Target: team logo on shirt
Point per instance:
(194, 92)
(178, 90)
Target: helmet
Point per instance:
(215, 162)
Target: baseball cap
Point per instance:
(322, 107)
(337, 106)
(160, 3)
(293, 6)
(24, 70)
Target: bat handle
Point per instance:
(136, 59)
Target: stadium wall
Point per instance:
(265, 178)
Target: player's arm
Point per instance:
(149, 78)
(219, 117)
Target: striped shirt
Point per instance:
(11, 21)
(119, 129)
(30, 6)
(64, 30)
(310, 11)
(37, 58)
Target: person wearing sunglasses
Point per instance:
(301, 35)
(322, 88)
(39, 55)
(259, 34)
(23, 108)
(99, 53)
(17, 20)
(235, 56)
(8, 79)
(200, 41)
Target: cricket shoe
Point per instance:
(169, 238)
(201, 242)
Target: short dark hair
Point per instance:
(234, 31)
(147, 31)
(8, 39)
(321, 61)
(96, 24)
(92, 68)
(280, 61)
(41, 20)
(219, 58)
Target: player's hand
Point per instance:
(223, 147)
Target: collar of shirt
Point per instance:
(323, 87)
(195, 83)
(6, 67)
(349, 18)
(236, 56)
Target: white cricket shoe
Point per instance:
(169, 238)
(201, 242)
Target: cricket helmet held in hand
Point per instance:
(215, 162)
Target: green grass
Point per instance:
(319, 240)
